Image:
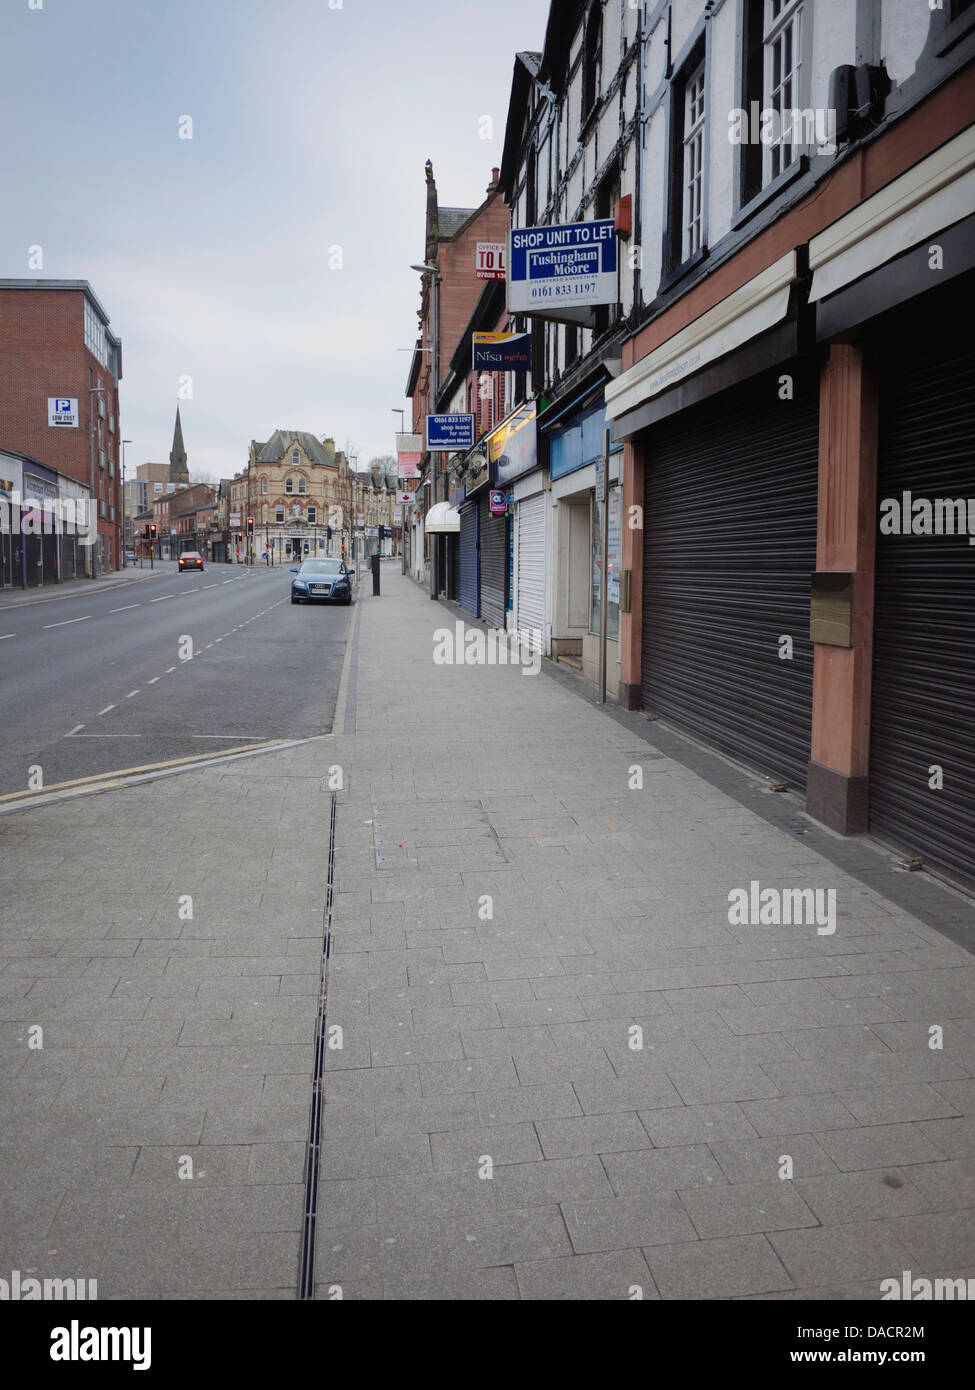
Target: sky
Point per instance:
(266, 258)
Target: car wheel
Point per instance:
(293, 599)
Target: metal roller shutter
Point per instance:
(923, 694)
(468, 561)
(531, 563)
(494, 563)
(729, 547)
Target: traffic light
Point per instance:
(240, 535)
(250, 526)
(152, 530)
(328, 532)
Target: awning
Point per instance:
(745, 313)
(441, 520)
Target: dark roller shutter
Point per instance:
(923, 702)
(494, 565)
(730, 544)
(467, 560)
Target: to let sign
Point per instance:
(450, 433)
(489, 262)
(563, 267)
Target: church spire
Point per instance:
(178, 471)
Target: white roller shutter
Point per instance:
(531, 563)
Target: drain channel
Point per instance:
(306, 1255)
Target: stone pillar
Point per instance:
(630, 694)
(837, 790)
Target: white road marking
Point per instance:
(228, 581)
(108, 735)
(133, 692)
(226, 735)
(67, 621)
(126, 608)
(105, 710)
(6, 635)
(154, 679)
(168, 669)
(71, 732)
(209, 586)
(161, 600)
(191, 591)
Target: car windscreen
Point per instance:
(332, 567)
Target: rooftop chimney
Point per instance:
(493, 185)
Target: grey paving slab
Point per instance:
(622, 1274)
(717, 1269)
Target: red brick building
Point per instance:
(449, 298)
(56, 346)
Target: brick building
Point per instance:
(450, 293)
(56, 345)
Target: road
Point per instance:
(102, 682)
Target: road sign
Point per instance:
(569, 266)
(450, 433)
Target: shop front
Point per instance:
(575, 442)
(513, 450)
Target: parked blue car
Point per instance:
(321, 581)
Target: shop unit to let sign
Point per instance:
(450, 433)
(573, 267)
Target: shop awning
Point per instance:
(441, 520)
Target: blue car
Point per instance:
(321, 581)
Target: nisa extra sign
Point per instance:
(571, 266)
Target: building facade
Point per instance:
(60, 368)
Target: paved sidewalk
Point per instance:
(563, 1071)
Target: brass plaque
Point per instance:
(831, 609)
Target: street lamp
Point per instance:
(124, 562)
(396, 411)
(93, 391)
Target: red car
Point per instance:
(190, 560)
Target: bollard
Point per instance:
(374, 562)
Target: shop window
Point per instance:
(615, 557)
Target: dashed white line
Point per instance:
(73, 731)
(133, 692)
(125, 608)
(105, 710)
(212, 586)
(191, 591)
(68, 621)
(154, 679)
(161, 600)
(6, 635)
(168, 669)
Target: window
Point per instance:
(101, 458)
(615, 552)
(95, 339)
(279, 513)
(592, 60)
(289, 485)
(782, 40)
(302, 485)
(157, 487)
(692, 217)
(312, 514)
(295, 458)
(264, 486)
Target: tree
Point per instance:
(383, 469)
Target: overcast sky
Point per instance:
(311, 126)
